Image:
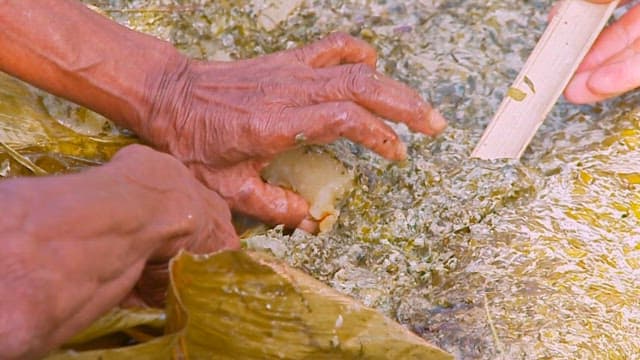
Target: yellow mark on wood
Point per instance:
(516, 94)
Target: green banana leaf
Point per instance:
(244, 305)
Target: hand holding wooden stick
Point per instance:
(549, 69)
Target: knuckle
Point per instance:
(363, 70)
(346, 115)
(358, 79)
(266, 127)
(351, 108)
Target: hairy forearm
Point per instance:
(73, 247)
(73, 52)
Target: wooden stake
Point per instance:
(546, 73)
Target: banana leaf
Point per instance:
(118, 320)
(245, 305)
(42, 134)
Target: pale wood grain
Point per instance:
(550, 67)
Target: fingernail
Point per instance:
(438, 122)
(308, 225)
(401, 151)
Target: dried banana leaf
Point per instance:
(43, 134)
(21, 117)
(119, 320)
(22, 160)
(240, 305)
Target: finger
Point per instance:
(268, 203)
(579, 92)
(246, 193)
(617, 75)
(379, 94)
(309, 225)
(337, 48)
(224, 236)
(326, 122)
(613, 40)
(607, 81)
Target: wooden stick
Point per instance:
(546, 73)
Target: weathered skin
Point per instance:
(241, 114)
(224, 120)
(75, 246)
(87, 249)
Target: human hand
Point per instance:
(224, 120)
(612, 66)
(228, 120)
(85, 240)
(199, 219)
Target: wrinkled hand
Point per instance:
(226, 121)
(612, 66)
(209, 227)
